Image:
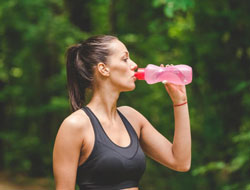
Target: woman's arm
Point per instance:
(176, 155)
(182, 137)
(181, 146)
(66, 153)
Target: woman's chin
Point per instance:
(130, 88)
(133, 87)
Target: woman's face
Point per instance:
(121, 67)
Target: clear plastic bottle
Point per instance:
(178, 74)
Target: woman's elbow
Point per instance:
(183, 167)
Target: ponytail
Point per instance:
(76, 83)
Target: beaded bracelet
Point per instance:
(180, 104)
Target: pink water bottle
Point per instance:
(178, 74)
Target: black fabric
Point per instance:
(110, 166)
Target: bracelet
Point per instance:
(180, 104)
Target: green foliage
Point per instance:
(170, 6)
(34, 38)
(212, 37)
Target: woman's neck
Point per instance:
(104, 103)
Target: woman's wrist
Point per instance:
(180, 104)
(179, 101)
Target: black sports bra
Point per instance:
(109, 166)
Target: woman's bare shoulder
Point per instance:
(131, 113)
(127, 110)
(76, 122)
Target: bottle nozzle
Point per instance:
(140, 74)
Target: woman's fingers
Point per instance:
(169, 65)
(165, 82)
(166, 65)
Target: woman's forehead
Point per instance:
(117, 47)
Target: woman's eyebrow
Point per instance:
(126, 53)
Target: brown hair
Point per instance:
(81, 58)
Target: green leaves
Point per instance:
(212, 166)
(212, 37)
(171, 6)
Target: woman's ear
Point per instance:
(103, 69)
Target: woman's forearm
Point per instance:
(182, 138)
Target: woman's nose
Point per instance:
(133, 65)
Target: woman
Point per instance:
(100, 146)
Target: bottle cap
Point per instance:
(140, 74)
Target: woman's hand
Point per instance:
(177, 93)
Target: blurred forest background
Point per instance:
(213, 37)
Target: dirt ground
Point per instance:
(9, 186)
(7, 182)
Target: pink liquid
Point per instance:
(179, 74)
